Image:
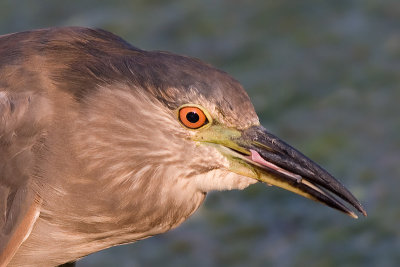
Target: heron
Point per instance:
(102, 144)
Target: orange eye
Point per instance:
(192, 117)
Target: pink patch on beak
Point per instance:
(258, 159)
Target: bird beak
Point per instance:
(256, 153)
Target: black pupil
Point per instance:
(192, 117)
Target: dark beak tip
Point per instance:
(363, 211)
(356, 204)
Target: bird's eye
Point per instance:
(192, 117)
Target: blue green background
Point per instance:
(323, 75)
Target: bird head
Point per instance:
(216, 113)
(200, 122)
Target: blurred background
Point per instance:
(323, 75)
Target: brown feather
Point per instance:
(21, 231)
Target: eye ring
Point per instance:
(192, 117)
